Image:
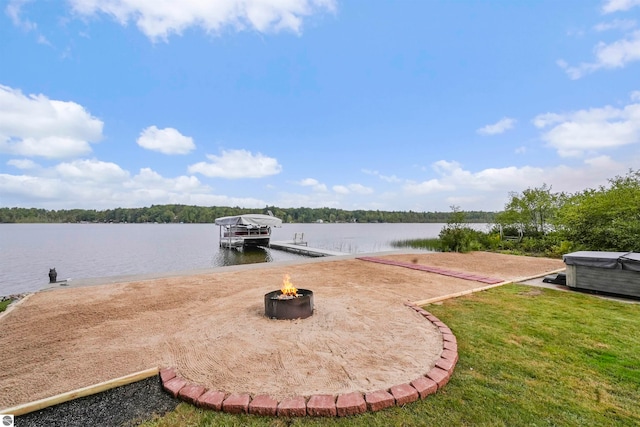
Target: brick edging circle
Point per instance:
(323, 405)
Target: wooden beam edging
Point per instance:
(81, 392)
(483, 288)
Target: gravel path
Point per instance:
(128, 405)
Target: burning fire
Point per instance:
(288, 290)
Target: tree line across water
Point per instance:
(536, 220)
(201, 214)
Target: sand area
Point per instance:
(211, 327)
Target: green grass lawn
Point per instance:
(528, 357)
(4, 305)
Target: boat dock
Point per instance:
(292, 246)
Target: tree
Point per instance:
(531, 211)
(456, 236)
(607, 218)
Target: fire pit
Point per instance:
(288, 302)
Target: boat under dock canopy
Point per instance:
(246, 230)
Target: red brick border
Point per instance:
(323, 405)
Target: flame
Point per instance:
(287, 287)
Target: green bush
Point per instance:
(561, 248)
(456, 239)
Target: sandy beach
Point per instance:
(212, 328)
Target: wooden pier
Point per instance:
(303, 249)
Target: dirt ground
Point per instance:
(213, 329)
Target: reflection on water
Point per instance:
(237, 256)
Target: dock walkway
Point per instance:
(290, 246)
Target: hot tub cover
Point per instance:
(600, 259)
(630, 261)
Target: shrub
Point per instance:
(456, 239)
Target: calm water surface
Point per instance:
(27, 251)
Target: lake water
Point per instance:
(80, 251)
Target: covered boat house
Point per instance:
(246, 230)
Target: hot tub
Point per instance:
(616, 273)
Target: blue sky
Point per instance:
(391, 105)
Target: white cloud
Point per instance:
(35, 125)
(620, 52)
(148, 179)
(352, 189)
(453, 178)
(93, 184)
(360, 189)
(607, 56)
(33, 190)
(314, 200)
(427, 187)
(309, 182)
(602, 162)
(43, 40)
(464, 200)
(340, 189)
(321, 197)
(158, 19)
(611, 6)
(546, 119)
(589, 131)
(504, 178)
(166, 141)
(14, 12)
(635, 95)
(488, 189)
(444, 167)
(314, 183)
(24, 164)
(501, 126)
(149, 187)
(91, 171)
(616, 24)
(234, 164)
(387, 178)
